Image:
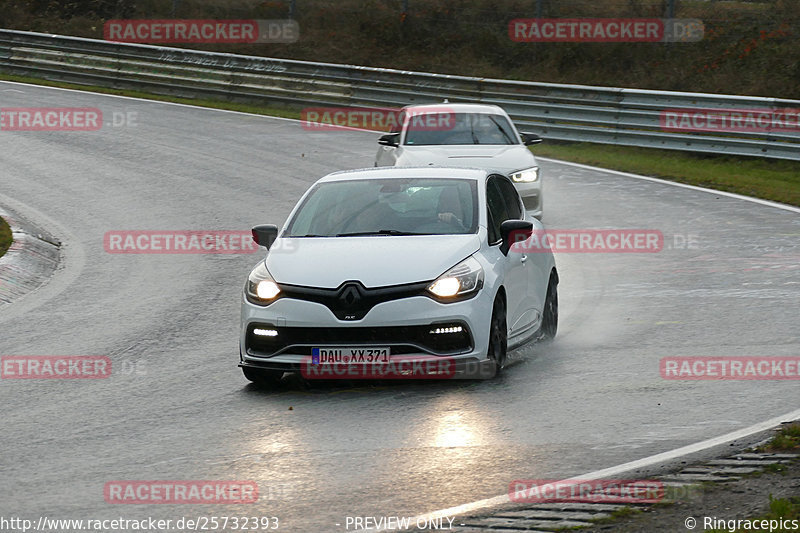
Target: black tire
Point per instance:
(498, 339)
(550, 312)
(263, 378)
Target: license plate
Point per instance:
(350, 355)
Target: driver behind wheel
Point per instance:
(450, 208)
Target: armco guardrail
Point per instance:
(564, 112)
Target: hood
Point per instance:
(504, 158)
(327, 262)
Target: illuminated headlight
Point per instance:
(265, 332)
(526, 176)
(461, 280)
(261, 289)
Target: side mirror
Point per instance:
(514, 229)
(530, 138)
(265, 234)
(390, 139)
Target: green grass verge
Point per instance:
(770, 179)
(5, 236)
(787, 440)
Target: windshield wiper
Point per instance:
(378, 232)
(472, 132)
(502, 130)
(307, 235)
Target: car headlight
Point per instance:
(526, 176)
(462, 280)
(261, 289)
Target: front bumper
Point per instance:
(406, 326)
(447, 368)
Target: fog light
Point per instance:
(452, 329)
(265, 332)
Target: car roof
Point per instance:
(457, 108)
(408, 172)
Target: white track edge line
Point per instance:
(71, 264)
(135, 98)
(619, 469)
(558, 161)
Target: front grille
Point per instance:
(403, 340)
(351, 300)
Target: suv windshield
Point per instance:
(396, 206)
(461, 128)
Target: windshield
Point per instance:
(387, 206)
(463, 128)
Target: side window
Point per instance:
(511, 197)
(497, 209)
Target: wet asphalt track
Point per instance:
(592, 399)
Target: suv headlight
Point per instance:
(261, 289)
(525, 176)
(461, 281)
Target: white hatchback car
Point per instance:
(399, 263)
(474, 135)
